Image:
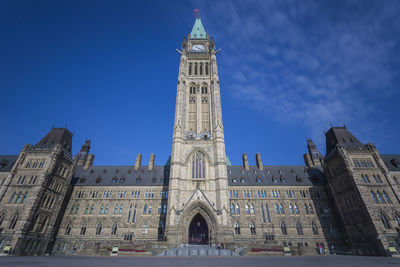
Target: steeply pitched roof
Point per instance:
(198, 31)
(7, 162)
(121, 176)
(392, 161)
(342, 136)
(57, 136)
(275, 176)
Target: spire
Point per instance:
(198, 31)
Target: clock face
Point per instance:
(198, 48)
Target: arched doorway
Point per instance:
(198, 231)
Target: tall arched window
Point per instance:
(83, 228)
(252, 228)
(91, 209)
(247, 209)
(129, 213)
(198, 165)
(114, 228)
(116, 209)
(121, 207)
(251, 208)
(206, 70)
(13, 221)
(306, 209)
(281, 208)
(276, 209)
(232, 208)
(190, 68)
(237, 209)
(299, 228)
(201, 68)
(374, 197)
(149, 209)
(98, 228)
(195, 68)
(164, 209)
(283, 228)
(314, 228)
(68, 229)
(24, 198)
(237, 228)
(296, 209)
(385, 196)
(134, 214)
(385, 221)
(106, 209)
(18, 197)
(87, 209)
(378, 194)
(145, 229)
(43, 226)
(291, 208)
(145, 209)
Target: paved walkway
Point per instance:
(320, 261)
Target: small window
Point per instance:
(258, 180)
(234, 180)
(114, 180)
(98, 179)
(138, 180)
(82, 180)
(154, 180)
(242, 180)
(122, 180)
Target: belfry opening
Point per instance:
(198, 231)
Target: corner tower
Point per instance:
(198, 201)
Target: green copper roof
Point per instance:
(198, 31)
(228, 161)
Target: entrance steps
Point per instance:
(197, 250)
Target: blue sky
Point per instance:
(288, 69)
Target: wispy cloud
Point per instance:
(317, 62)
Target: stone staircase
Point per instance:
(197, 250)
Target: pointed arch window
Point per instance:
(145, 209)
(283, 228)
(13, 221)
(299, 228)
(385, 196)
(91, 209)
(134, 214)
(201, 68)
(252, 228)
(149, 212)
(116, 209)
(276, 209)
(281, 208)
(164, 209)
(306, 209)
(68, 229)
(87, 209)
(237, 228)
(121, 207)
(190, 68)
(206, 68)
(380, 197)
(2, 218)
(311, 209)
(12, 198)
(114, 228)
(24, 198)
(145, 229)
(101, 209)
(251, 208)
(195, 69)
(18, 197)
(262, 212)
(374, 198)
(98, 228)
(296, 209)
(83, 228)
(232, 208)
(129, 213)
(314, 228)
(291, 208)
(198, 165)
(237, 209)
(247, 209)
(106, 209)
(385, 221)
(43, 225)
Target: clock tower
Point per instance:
(198, 201)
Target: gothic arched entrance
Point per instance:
(198, 231)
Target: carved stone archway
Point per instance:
(195, 209)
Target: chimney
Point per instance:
(151, 162)
(259, 162)
(245, 162)
(89, 162)
(138, 161)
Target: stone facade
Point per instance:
(344, 202)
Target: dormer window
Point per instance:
(114, 180)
